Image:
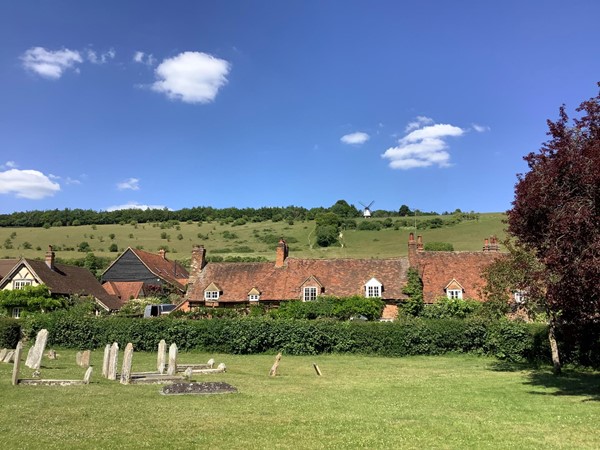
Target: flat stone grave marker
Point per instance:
(205, 388)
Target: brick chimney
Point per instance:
(486, 245)
(419, 243)
(197, 263)
(50, 258)
(412, 250)
(491, 244)
(162, 252)
(282, 253)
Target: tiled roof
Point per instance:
(438, 269)
(338, 277)
(170, 271)
(72, 280)
(125, 290)
(6, 265)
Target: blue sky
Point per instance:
(237, 103)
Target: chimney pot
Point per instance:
(50, 258)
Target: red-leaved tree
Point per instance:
(556, 215)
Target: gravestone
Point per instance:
(160, 361)
(34, 357)
(52, 354)
(3, 353)
(17, 366)
(113, 360)
(105, 361)
(78, 359)
(85, 359)
(88, 375)
(172, 369)
(127, 360)
(9, 356)
(199, 388)
(211, 363)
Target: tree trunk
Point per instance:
(556, 368)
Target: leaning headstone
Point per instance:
(172, 369)
(3, 353)
(188, 373)
(127, 359)
(85, 359)
(105, 361)
(52, 354)
(9, 356)
(17, 366)
(34, 357)
(211, 363)
(113, 361)
(88, 375)
(160, 361)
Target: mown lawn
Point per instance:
(359, 402)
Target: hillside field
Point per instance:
(249, 240)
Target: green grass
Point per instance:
(387, 243)
(360, 402)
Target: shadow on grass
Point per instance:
(581, 382)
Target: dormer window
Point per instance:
(20, 284)
(454, 291)
(309, 293)
(373, 288)
(212, 292)
(254, 295)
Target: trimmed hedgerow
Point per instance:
(412, 336)
(10, 333)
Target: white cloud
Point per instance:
(480, 128)
(355, 138)
(134, 205)
(30, 184)
(144, 58)
(192, 77)
(70, 180)
(419, 122)
(50, 64)
(423, 147)
(130, 183)
(8, 165)
(101, 58)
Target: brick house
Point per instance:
(137, 273)
(229, 284)
(451, 274)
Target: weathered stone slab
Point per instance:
(113, 361)
(155, 378)
(172, 369)
(78, 358)
(34, 357)
(106, 361)
(3, 353)
(221, 368)
(9, 356)
(209, 365)
(206, 388)
(52, 354)
(84, 361)
(17, 365)
(88, 375)
(160, 360)
(127, 360)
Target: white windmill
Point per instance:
(367, 209)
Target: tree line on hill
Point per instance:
(75, 217)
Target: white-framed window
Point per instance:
(253, 297)
(16, 313)
(373, 288)
(309, 294)
(454, 294)
(211, 295)
(519, 297)
(20, 284)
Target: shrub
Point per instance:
(451, 308)
(10, 333)
(326, 235)
(438, 247)
(370, 225)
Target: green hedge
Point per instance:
(512, 341)
(10, 332)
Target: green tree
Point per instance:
(414, 290)
(113, 248)
(84, 247)
(326, 235)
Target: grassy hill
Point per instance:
(251, 239)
